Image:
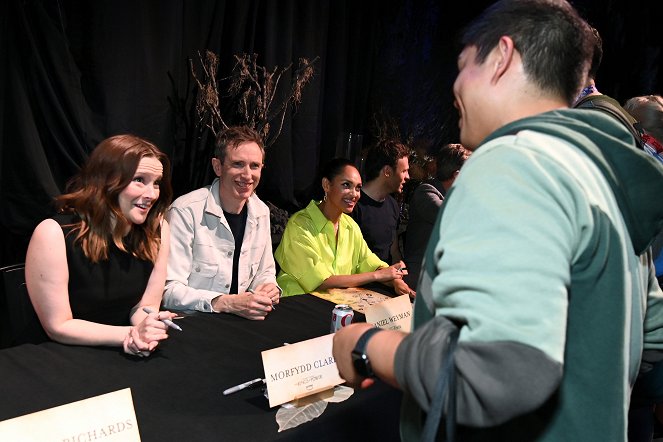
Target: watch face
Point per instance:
(361, 364)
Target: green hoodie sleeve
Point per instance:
(535, 265)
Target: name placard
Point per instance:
(392, 314)
(108, 417)
(298, 370)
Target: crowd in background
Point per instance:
(531, 200)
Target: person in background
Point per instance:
(221, 254)
(648, 110)
(92, 269)
(425, 203)
(539, 261)
(647, 396)
(591, 98)
(322, 246)
(377, 213)
(641, 416)
(642, 116)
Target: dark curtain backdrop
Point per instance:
(74, 72)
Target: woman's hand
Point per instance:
(132, 345)
(391, 273)
(144, 337)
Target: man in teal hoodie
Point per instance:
(539, 256)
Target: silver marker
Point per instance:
(239, 387)
(168, 322)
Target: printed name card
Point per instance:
(110, 417)
(392, 314)
(298, 370)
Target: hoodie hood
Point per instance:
(636, 178)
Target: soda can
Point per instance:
(341, 316)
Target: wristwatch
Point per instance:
(359, 358)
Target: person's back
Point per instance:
(610, 106)
(424, 205)
(591, 98)
(642, 116)
(648, 110)
(647, 395)
(547, 268)
(539, 255)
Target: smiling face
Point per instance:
(142, 192)
(239, 175)
(471, 99)
(343, 191)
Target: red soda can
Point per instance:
(341, 316)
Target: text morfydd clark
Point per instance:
(298, 370)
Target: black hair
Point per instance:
(449, 159)
(330, 170)
(597, 54)
(384, 153)
(554, 42)
(334, 167)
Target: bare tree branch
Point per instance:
(254, 89)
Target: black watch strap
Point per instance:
(359, 358)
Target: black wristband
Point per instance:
(360, 360)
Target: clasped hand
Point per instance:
(254, 304)
(144, 337)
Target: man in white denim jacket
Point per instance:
(221, 251)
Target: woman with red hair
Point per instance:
(93, 270)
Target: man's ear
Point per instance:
(217, 166)
(503, 57)
(387, 170)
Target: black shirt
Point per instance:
(378, 221)
(237, 223)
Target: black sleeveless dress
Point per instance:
(104, 292)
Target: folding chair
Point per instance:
(19, 322)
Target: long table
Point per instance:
(177, 391)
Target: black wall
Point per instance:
(75, 72)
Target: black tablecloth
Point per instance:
(177, 392)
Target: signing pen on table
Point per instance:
(168, 322)
(239, 387)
